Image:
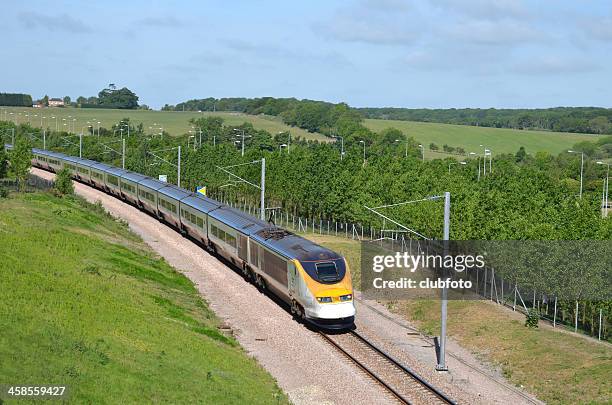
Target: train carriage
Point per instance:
(112, 178)
(70, 163)
(168, 204)
(39, 159)
(55, 162)
(47, 160)
(194, 216)
(83, 170)
(129, 186)
(98, 174)
(229, 229)
(147, 194)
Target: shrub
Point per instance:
(63, 182)
(3, 192)
(532, 318)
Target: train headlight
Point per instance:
(346, 297)
(324, 299)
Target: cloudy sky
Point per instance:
(405, 53)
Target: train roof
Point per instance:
(238, 220)
(115, 171)
(47, 152)
(293, 246)
(152, 183)
(71, 159)
(101, 166)
(87, 162)
(173, 191)
(133, 176)
(202, 204)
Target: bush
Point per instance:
(3, 192)
(532, 318)
(63, 182)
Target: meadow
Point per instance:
(557, 366)
(86, 304)
(499, 140)
(172, 122)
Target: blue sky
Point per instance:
(404, 53)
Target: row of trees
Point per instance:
(16, 99)
(563, 119)
(320, 116)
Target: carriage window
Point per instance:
(200, 222)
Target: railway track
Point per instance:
(402, 383)
(459, 359)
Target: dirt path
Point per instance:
(304, 365)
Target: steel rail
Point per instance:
(381, 353)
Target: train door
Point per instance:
(292, 279)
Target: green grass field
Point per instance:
(173, 122)
(499, 140)
(558, 367)
(85, 303)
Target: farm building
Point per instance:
(56, 102)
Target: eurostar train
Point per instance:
(314, 281)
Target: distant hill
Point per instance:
(325, 117)
(590, 120)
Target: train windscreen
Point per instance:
(327, 272)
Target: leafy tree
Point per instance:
(433, 146)
(389, 136)
(45, 101)
(122, 98)
(21, 160)
(67, 100)
(63, 182)
(521, 155)
(81, 100)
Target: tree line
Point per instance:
(329, 118)
(16, 99)
(591, 120)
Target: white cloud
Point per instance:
(495, 32)
(554, 65)
(61, 22)
(384, 22)
(487, 9)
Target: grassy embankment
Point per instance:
(173, 122)
(499, 140)
(556, 366)
(85, 303)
